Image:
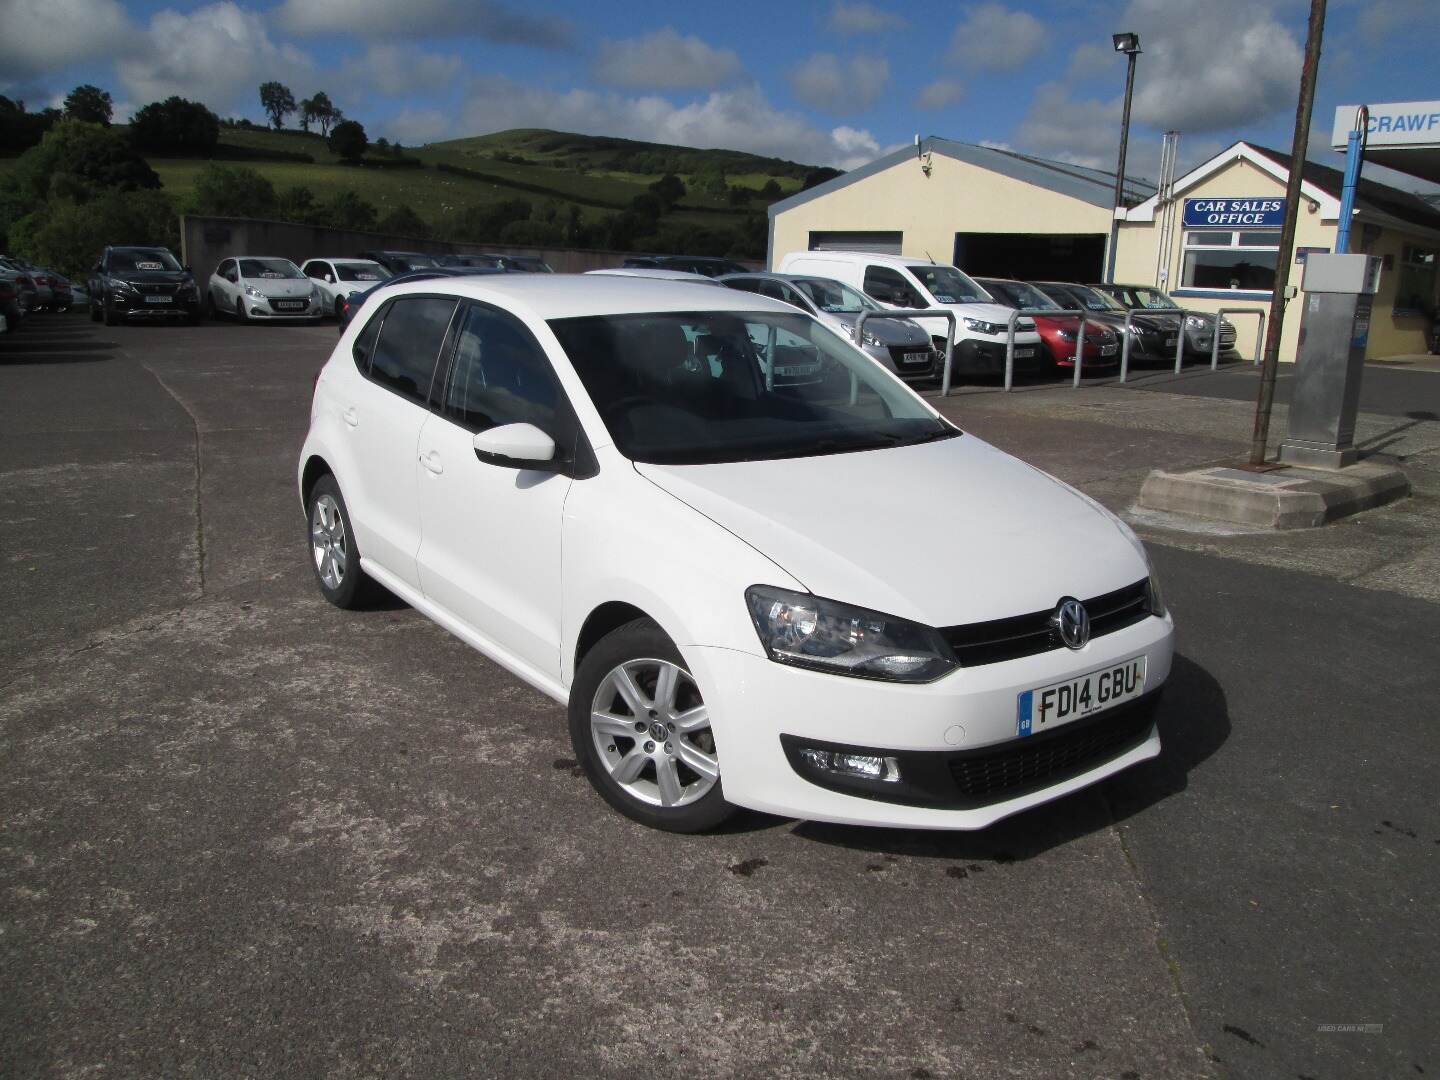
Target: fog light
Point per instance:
(864, 766)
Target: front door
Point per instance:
(490, 547)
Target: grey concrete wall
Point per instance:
(204, 241)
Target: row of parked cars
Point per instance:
(142, 282)
(26, 288)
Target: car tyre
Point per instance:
(240, 315)
(636, 676)
(94, 312)
(334, 555)
(107, 314)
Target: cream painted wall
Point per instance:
(1137, 261)
(929, 211)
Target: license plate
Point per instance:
(157, 299)
(917, 358)
(1170, 341)
(1059, 703)
(289, 305)
(1024, 354)
(1107, 350)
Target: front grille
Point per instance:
(1029, 635)
(157, 289)
(1041, 760)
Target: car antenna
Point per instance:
(930, 257)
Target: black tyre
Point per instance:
(642, 734)
(334, 556)
(240, 315)
(94, 312)
(107, 314)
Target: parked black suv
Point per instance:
(401, 262)
(708, 265)
(142, 282)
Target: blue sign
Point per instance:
(1247, 213)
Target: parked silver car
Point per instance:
(902, 345)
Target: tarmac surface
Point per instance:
(245, 834)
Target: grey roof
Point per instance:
(1094, 186)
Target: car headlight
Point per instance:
(314, 294)
(1153, 596)
(1067, 335)
(122, 286)
(251, 290)
(1195, 322)
(806, 631)
(980, 326)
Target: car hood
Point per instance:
(886, 331)
(281, 287)
(944, 533)
(153, 277)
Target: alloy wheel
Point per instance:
(652, 733)
(327, 541)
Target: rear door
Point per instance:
(382, 412)
(490, 546)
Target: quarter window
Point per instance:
(500, 376)
(409, 344)
(1242, 260)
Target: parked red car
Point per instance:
(1059, 331)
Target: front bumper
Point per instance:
(758, 706)
(136, 307)
(263, 309)
(976, 357)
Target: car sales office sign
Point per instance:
(1244, 213)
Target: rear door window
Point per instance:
(411, 335)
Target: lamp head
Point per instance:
(1126, 43)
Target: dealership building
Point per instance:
(1212, 241)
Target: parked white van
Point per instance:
(899, 281)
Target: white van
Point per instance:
(898, 281)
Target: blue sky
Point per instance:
(833, 82)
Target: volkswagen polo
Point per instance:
(818, 599)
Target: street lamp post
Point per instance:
(1129, 44)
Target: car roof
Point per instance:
(659, 273)
(871, 257)
(561, 296)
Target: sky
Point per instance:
(832, 82)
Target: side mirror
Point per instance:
(330, 279)
(516, 446)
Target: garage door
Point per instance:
(879, 243)
(1031, 256)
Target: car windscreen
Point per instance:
(688, 388)
(361, 271)
(948, 285)
(1153, 298)
(834, 297)
(416, 262)
(1094, 299)
(1017, 294)
(527, 263)
(269, 268)
(143, 260)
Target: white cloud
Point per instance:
(1196, 79)
(739, 119)
(862, 18)
(416, 126)
(217, 54)
(398, 70)
(1083, 132)
(1382, 17)
(994, 38)
(41, 36)
(488, 20)
(939, 94)
(826, 81)
(1089, 60)
(665, 60)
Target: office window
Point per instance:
(1241, 260)
(1415, 281)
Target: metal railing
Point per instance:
(1259, 333)
(1127, 335)
(1015, 315)
(911, 313)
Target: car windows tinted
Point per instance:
(122, 261)
(411, 335)
(500, 375)
(890, 287)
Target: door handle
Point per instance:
(431, 461)
(351, 417)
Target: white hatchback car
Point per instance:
(335, 278)
(820, 600)
(265, 288)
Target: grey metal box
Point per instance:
(1353, 274)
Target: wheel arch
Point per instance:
(315, 467)
(608, 616)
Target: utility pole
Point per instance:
(1129, 44)
(1275, 323)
